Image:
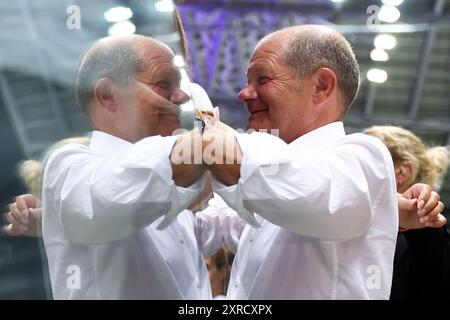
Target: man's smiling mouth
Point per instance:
(258, 111)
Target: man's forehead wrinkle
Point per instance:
(257, 68)
(263, 57)
(262, 61)
(153, 61)
(159, 69)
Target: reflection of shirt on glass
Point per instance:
(102, 205)
(328, 215)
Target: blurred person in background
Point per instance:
(28, 207)
(28, 212)
(23, 264)
(422, 256)
(219, 267)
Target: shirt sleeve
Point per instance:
(328, 194)
(218, 224)
(102, 199)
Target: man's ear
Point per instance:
(105, 94)
(325, 82)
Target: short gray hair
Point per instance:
(310, 48)
(115, 59)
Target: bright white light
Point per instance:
(392, 2)
(379, 55)
(377, 75)
(337, 0)
(385, 41)
(164, 5)
(179, 61)
(121, 28)
(388, 14)
(118, 14)
(188, 106)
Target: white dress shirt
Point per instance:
(101, 208)
(328, 211)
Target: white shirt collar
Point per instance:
(321, 137)
(107, 144)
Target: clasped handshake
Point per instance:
(211, 147)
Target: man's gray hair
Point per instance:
(312, 47)
(115, 59)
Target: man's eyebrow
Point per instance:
(170, 73)
(257, 68)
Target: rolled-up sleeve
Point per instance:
(103, 199)
(329, 193)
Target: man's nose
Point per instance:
(248, 93)
(179, 97)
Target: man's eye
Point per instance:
(163, 84)
(262, 80)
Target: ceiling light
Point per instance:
(385, 41)
(388, 14)
(379, 55)
(393, 2)
(377, 75)
(118, 14)
(122, 28)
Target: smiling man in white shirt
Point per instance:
(103, 203)
(326, 201)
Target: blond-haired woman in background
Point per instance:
(29, 211)
(422, 257)
(31, 171)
